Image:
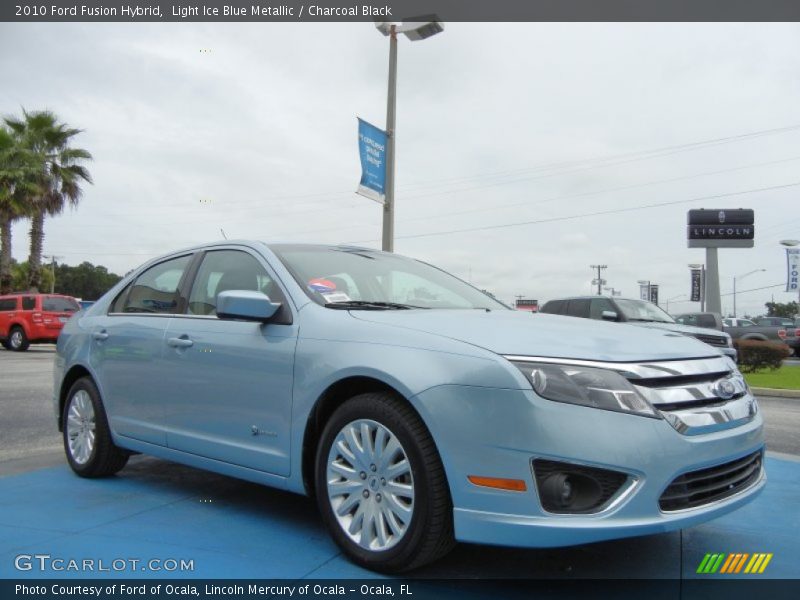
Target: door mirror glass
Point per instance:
(609, 315)
(246, 305)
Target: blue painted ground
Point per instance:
(232, 529)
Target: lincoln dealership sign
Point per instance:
(720, 228)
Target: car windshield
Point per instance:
(639, 310)
(341, 277)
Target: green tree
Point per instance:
(59, 177)
(17, 184)
(782, 309)
(86, 281)
(20, 273)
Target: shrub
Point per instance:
(755, 355)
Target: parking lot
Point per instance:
(230, 528)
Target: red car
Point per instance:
(27, 319)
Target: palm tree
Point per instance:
(59, 176)
(17, 183)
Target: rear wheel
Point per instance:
(17, 340)
(381, 487)
(87, 439)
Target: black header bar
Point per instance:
(398, 10)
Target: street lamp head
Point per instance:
(789, 243)
(415, 28)
(385, 27)
(695, 266)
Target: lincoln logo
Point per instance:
(721, 216)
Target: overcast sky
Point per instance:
(498, 124)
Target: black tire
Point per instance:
(6, 344)
(428, 534)
(104, 458)
(17, 340)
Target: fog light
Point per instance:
(557, 489)
(568, 488)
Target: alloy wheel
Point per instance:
(370, 485)
(81, 427)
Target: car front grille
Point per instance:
(697, 488)
(713, 340)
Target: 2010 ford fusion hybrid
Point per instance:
(415, 409)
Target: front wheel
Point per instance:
(381, 486)
(87, 439)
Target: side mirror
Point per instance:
(609, 315)
(246, 305)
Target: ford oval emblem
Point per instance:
(721, 216)
(725, 389)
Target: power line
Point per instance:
(604, 191)
(622, 158)
(592, 214)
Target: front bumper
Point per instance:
(498, 432)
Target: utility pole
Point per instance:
(52, 258)
(599, 281)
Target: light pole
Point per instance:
(53, 259)
(415, 30)
(702, 269)
(791, 244)
(734, 286)
(599, 281)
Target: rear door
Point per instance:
(228, 384)
(128, 347)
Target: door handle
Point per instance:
(180, 342)
(100, 335)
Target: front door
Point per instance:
(229, 390)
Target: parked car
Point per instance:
(745, 329)
(635, 312)
(27, 319)
(416, 409)
(784, 322)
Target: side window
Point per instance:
(579, 308)
(28, 302)
(156, 290)
(119, 302)
(8, 304)
(225, 270)
(56, 304)
(707, 321)
(598, 306)
(554, 307)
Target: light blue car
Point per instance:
(416, 409)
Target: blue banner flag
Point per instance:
(372, 150)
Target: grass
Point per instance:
(785, 378)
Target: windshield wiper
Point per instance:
(370, 305)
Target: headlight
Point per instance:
(586, 386)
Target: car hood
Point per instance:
(519, 333)
(677, 327)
